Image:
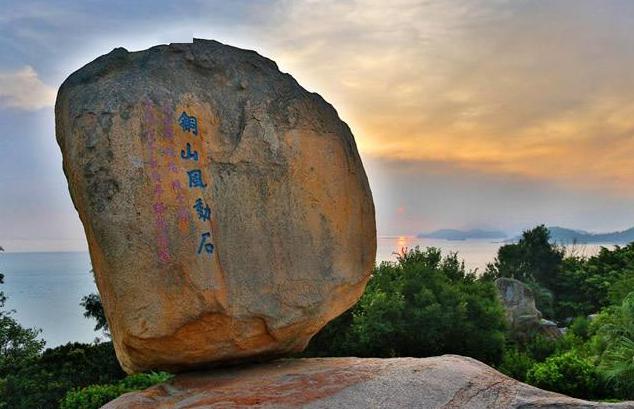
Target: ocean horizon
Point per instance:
(45, 288)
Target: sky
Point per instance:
(467, 113)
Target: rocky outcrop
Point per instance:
(226, 208)
(521, 313)
(447, 382)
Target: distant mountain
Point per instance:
(451, 234)
(558, 234)
(567, 236)
(563, 235)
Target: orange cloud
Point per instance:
(499, 87)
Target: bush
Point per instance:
(516, 364)
(533, 259)
(95, 396)
(567, 373)
(44, 381)
(18, 345)
(540, 347)
(422, 305)
(616, 338)
(580, 327)
(522, 353)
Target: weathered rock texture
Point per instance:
(447, 382)
(521, 313)
(226, 208)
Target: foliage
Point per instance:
(594, 359)
(566, 285)
(567, 373)
(580, 327)
(95, 396)
(522, 353)
(532, 259)
(516, 363)
(586, 285)
(94, 309)
(622, 287)
(45, 380)
(617, 357)
(17, 344)
(544, 299)
(540, 347)
(422, 305)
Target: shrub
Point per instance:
(516, 364)
(422, 305)
(95, 396)
(44, 381)
(567, 373)
(616, 336)
(540, 347)
(18, 345)
(580, 327)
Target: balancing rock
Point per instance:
(227, 211)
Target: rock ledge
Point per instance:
(446, 382)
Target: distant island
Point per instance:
(558, 234)
(452, 234)
(563, 235)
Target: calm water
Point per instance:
(475, 253)
(46, 288)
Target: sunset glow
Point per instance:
(501, 114)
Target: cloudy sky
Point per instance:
(467, 113)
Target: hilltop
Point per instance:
(558, 234)
(567, 236)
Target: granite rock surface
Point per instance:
(445, 382)
(227, 211)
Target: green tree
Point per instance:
(586, 285)
(516, 363)
(566, 285)
(45, 380)
(17, 344)
(95, 396)
(94, 309)
(617, 338)
(567, 373)
(532, 259)
(422, 305)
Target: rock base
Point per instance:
(446, 382)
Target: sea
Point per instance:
(45, 289)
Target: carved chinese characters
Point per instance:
(226, 209)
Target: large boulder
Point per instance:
(445, 382)
(226, 208)
(521, 313)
